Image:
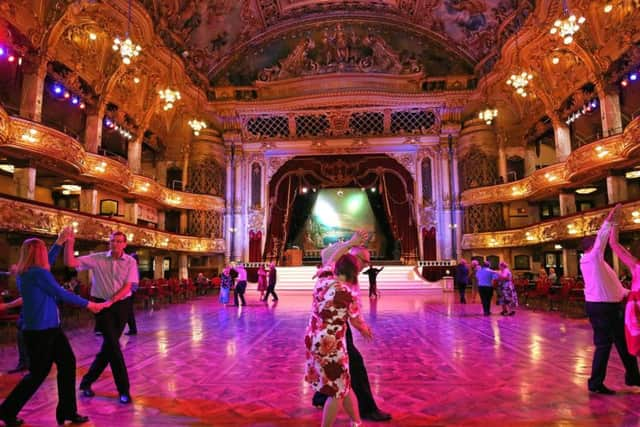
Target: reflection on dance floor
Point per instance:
(432, 362)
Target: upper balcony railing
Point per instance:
(568, 227)
(39, 218)
(591, 159)
(24, 138)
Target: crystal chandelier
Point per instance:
(127, 48)
(567, 27)
(488, 115)
(520, 82)
(169, 96)
(197, 126)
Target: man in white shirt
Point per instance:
(603, 295)
(113, 274)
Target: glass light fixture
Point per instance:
(520, 82)
(170, 97)
(197, 126)
(127, 48)
(488, 115)
(567, 27)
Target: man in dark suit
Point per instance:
(271, 288)
(372, 272)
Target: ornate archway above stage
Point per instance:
(392, 179)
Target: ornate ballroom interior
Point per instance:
(205, 130)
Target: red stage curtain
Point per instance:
(280, 217)
(429, 244)
(255, 244)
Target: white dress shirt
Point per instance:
(601, 283)
(109, 274)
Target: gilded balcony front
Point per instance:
(59, 151)
(26, 217)
(569, 227)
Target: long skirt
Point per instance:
(224, 295)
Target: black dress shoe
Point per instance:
(377, 415)
(131, 333)
(75, 419)
(602, 389)
(86, 391)
(125, 399)
(635, 382)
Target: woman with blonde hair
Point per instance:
(508, 298)
(45, 341)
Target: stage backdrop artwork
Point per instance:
(336, 214)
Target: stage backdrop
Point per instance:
(290, 207)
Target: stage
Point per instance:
(432, 362)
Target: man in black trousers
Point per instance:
(271, 287)
(359, 377)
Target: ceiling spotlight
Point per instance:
(586, 190)
(555, 60)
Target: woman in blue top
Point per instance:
(45, 341)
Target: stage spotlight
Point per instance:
(314, 190)
(304, 190)
(373, 189)
(57, 89)
(2, 51)
(11, 58)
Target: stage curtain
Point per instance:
(429, 244)
(399, 205)
(379, 211)
(301, 210)
(280, 217)
(255, 244)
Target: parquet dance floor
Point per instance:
(432, 362)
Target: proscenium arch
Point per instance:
(350, 170)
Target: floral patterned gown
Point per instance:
(327, 367)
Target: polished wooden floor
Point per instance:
(433, 362)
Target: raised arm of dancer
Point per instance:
(332, 253)
(621, 252)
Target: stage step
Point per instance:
(393, 277)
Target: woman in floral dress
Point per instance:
(335, 302)
(508, 298)
(225, 285)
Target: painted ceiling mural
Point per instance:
(212, 34)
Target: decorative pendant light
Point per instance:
(568, 26)
(197, 126)
(127, 48)
(488, 115)
(520, 79)
(168, 95)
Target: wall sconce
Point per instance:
(30, 136)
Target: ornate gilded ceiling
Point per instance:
(220, 37)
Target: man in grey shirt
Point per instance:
(113, 273)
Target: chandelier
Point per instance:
(488, 115)
(568, 26)
(197, 126)
(520, 82)
(127, 48)
(169, 96)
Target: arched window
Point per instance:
(427, 187)
(256, 186)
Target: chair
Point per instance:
(561, 296)
(540, 293)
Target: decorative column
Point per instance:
(291, 121)
(25, 182)
(162, 225)
(445, 224)
(134, 155)
(93, 129)
(89, 200)
(570, 262)
(567, 203)
(183, 266)
(32, 88)
(131, 211)
(502, 159)
(184, 222)
(206, 176)
(161, 172)
(477, 161)
(158, 265)
(617, 189)
(562, 137)
(609, 109)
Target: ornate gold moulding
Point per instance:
(30, 139)
(590, 159)
(570, 227)
(25, 217)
